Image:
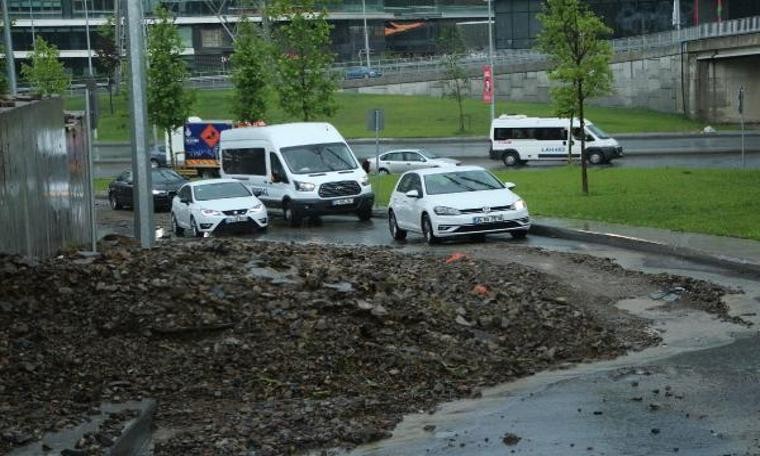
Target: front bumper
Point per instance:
(212, 224)
(460, 225)
(612, 152)
(319, 206)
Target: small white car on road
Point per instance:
(217, 206)
(403, 160)
(447, 202)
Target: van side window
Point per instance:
(277, 168)
(244, 161)
(552, 134)
(577, 135)
(501, 134)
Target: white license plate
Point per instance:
(237, 219)
(343, 201)
(487, 219)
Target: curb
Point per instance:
(137, 435)
(643, 245)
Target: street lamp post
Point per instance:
(366, 34)
(9, 60)
(87, 31)
(490, 62)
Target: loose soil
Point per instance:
(281, 348)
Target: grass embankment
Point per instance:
(712, 201)
(405, 116)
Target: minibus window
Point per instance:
(244, 161)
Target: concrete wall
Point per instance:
(43, 167)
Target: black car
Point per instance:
(166, 182)
(158, 156)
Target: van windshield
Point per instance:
(319, 158)
(598, 132)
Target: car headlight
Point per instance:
(445, 210)
(304, 186)
(160, 192)
(518, 205)
(255, 207)
(211, 212)
(364, 181)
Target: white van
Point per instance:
(517, 139)
(305, 169)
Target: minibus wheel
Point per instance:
(510, 159)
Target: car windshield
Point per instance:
(461, 181)
(598, 132)
(429, 154)
(221, 190)
(165, 175)
(319, 158)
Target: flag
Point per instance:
(676, 14)
(487, 84)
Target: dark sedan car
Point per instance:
(363, 72)
(166, 182)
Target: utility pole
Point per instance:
(117, 40)
(366, 34)
(490, 62)
(87, 32)
(10, 65)
(141, 170)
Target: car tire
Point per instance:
(194, 228)
(113, 201)
(292, 217)
(176, 229)
(510, 159)
(396, 233)
(427, 231)
(595, 157)
(519, 234)
(365, 214)
(384, 172)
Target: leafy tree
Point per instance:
(304, 81)
(250, 74)
(109, 55)
(46, 74)
(457, 85)
(572, 37)
(169, 102)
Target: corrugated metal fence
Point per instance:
(43, 180)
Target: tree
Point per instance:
(457, 86)
(572, 37)
(565, 107)
(46, 74)
(304, 81)
(250, 74)
(169, 103)
(109, 55)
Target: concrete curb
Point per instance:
(137, 435)
(643, 245)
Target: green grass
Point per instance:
(405, 116)
(101, 185)
(712, 201)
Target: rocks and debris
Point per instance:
(511, 439)
(669, 295)
(247, 349)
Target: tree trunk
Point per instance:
(584, 174)
(172, 158)
(570, 141)
(461, 111)
(110, 94)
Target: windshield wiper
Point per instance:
(484, 184)
(459, 184)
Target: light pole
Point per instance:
(9, 60)
(87, 31)
(31, 19)
(366, 34)
(490, 62)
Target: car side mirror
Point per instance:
(510, 185)
(258, 192)
(412, 194)
(128, 182)
(184, 200)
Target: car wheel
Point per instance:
(114, 202)
(154, 163)
(194, 228)
(396, 233)
(510, 159)
(384, 171)
(427, 230)
(291, 215)
(596, 158)
(365, 214)
(519, 234)
(176, 229)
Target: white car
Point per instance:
(403, 160)
(467, 200)
(218, 206)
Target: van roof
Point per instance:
(505, 119)
(287, 134)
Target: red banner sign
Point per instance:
(487, 84)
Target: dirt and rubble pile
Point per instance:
(270, 347)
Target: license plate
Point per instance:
(487, 219)
(237, 219)
(343, 201)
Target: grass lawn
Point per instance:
(101, 185)
(713, 201)
(405, 116)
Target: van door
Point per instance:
(279, 183)
(552, 143)
(248, 165)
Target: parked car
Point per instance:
(447, 202)
(165, 183)
(217, 206)
(403, 160)
(362, 72)
(158, 156)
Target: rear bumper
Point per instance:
(318, 206)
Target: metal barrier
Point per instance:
(43, 180)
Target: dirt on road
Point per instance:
(280, 348)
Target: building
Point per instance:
(516, 23)
(395, 27)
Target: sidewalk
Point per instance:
(737, 254)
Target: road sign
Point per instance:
(375, 120)
(487, 84)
